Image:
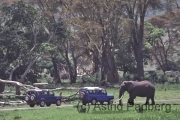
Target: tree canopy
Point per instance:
(99, 37)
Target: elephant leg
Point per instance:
(152, 100)
(147, 101)
(131, 99)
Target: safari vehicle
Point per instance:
(94, 94)
(41, 97)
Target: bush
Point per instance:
(156, 77)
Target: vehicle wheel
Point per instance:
(32, 97)
(48, 104)
(110, 102)
(27, 98)
(93, 102)
(32, 105)
(42, 103)
(58, 102)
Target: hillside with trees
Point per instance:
(65, 39)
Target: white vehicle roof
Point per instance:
(91, 88)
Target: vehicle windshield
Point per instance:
(51, 93)
(82, 90)
(30, 92)
(104, 91)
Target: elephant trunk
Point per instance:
(121, 94)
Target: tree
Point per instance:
(24, 27)
(135, 10)
(163, 34)
(125, 58)
(99, 23)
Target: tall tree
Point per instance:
(136, 10)
(26, 27)
(163, 34)
(99, 22)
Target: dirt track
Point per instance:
(28, 108)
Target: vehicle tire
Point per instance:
(93, 102)
(32, 105)
(42, 103)
(48, 104)
(110, 102)
(58, 102)
(32, 97)
(27, 98)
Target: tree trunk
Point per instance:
(103, 67)
(139, 61)
(72, 70)
(18, 91)
(96, 61)
(55, 72)
(138, 48)
(73, 78)
(2, 87)
(28, 68)
(109, 67)
(112, 75)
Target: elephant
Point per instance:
(137, 88)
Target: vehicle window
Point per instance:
(28, 93)
(31, 92)
(97, 91)
(82, 90)
(93, 91)
(45, 93)
(104, 91)
(51, 93)
(90, 91)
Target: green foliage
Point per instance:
(22, 39)
(46, 47)
(156, 77)
(153, 35)
(19, 13)
(45, 64)
(148, 45)
(88, 78)
(124, 57)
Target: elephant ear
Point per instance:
(129, 85)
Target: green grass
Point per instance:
(71, 113)
(163, 112)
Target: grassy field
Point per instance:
(163, 110)
(71, 113)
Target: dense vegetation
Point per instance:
(53, 39)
